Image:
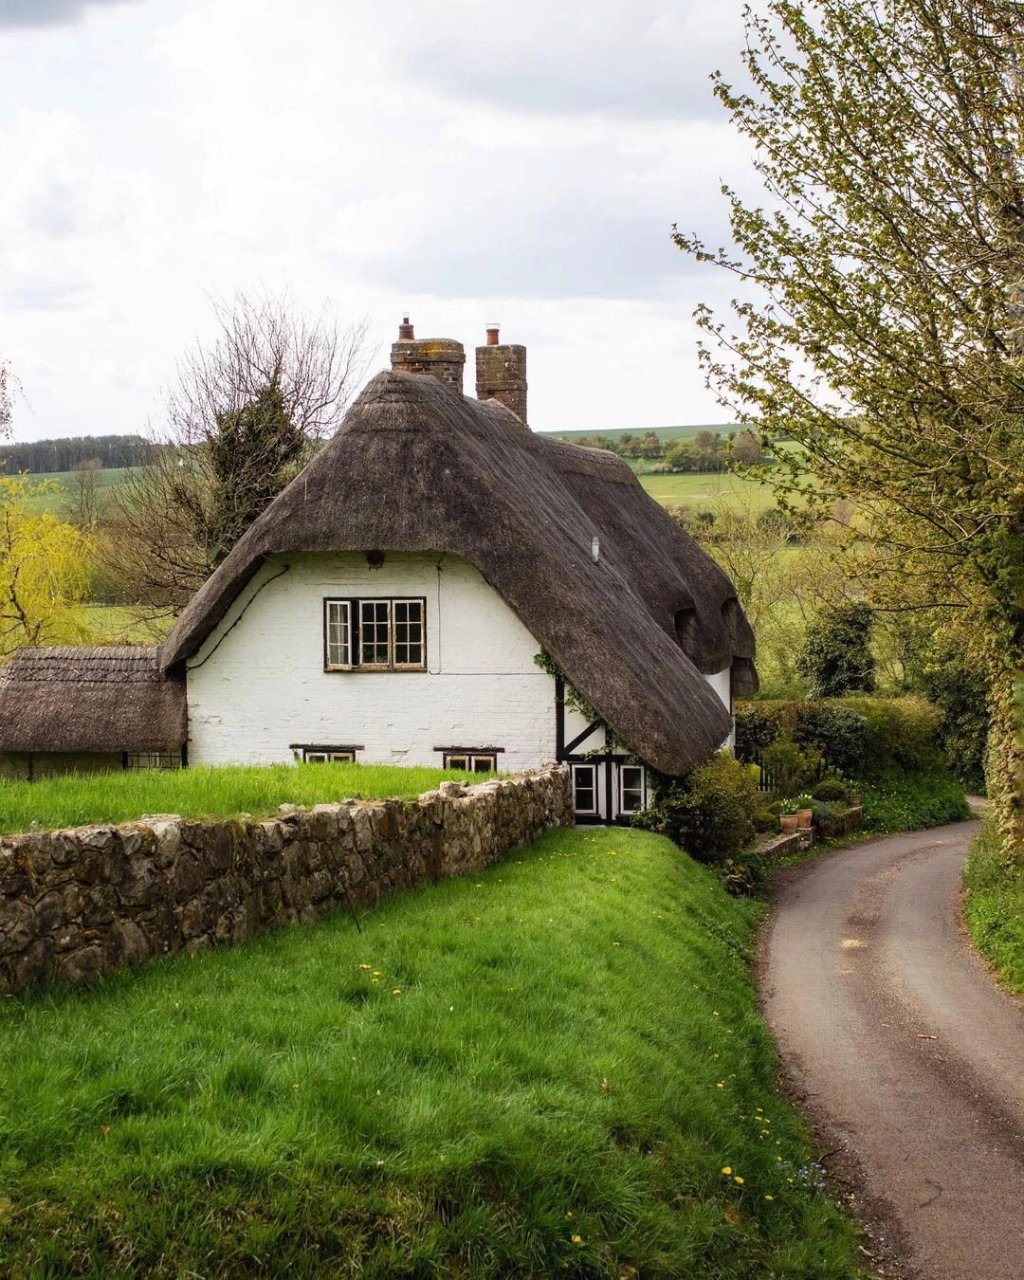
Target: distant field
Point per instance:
(725, 489)
(62, 481)
(663, 433)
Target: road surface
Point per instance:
(907, 1056)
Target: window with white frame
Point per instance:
(472, 761)
(632, 788)
(337, 635)
(375, 635)
(584, 789)
(328, 755)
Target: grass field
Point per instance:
(553, 1068)
(663, 433)
(204, 791)
(60, 482)
(708, 491)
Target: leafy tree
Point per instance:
(883, 328)
(43, 571)
(836, 656)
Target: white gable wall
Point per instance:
(259, 686)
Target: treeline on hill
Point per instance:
(707, 451)
(68, 452)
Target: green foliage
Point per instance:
(836, 656)
(959, 687)
(885, 332)
(709, 813)
(574, 700)
(830, 790)
(994, 906)
(253, 453)
(573, 1059)
(789, 768)
(900, 733)
(837, 731)
(855, 736)
(43, 571)
(204, 791)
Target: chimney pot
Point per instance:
(405, 331)
(501, 373)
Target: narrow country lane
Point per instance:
(907, 1056)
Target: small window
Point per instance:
(152, 760)
(584, 788)
(341, 755)
(472, 761)
(632, 792)
(338, 635)
(374, 633)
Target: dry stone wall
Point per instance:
(76, 904)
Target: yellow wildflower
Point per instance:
(727, 1170)
(738, 1180)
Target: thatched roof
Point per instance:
(417, 467)
(90, 699)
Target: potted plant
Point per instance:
(788, 815)
(804, 812)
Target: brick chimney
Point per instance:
(439, 358)
(501, 373)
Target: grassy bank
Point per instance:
(994, 907)
(203, 792)
(555, 1068)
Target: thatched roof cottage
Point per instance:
(441, 585)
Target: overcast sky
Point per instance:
(461, 161)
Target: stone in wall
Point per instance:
(77, 904)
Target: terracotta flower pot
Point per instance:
(805, 819)
(787, 821)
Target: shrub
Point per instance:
(710, 812)
(757, 727)
(837, 731)
(837, 656)
(788, 769)
(901, 733)
(830, 789)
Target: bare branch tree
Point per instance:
(244, 415)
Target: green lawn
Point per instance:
(204, 791)
(553, 1068)
(61, 481)
(708, 491)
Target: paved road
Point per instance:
(907, 1056)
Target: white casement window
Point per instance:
(375, 635)
(328, 757)
(337, 635)
(472, 761)
(584, 789)
(632, 788)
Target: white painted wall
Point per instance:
(256, 687)
(721, 682)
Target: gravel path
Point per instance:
(908, 1057)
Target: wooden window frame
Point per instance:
(323, 753)
(354, 606)
(472, 756)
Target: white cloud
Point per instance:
(440, 155)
